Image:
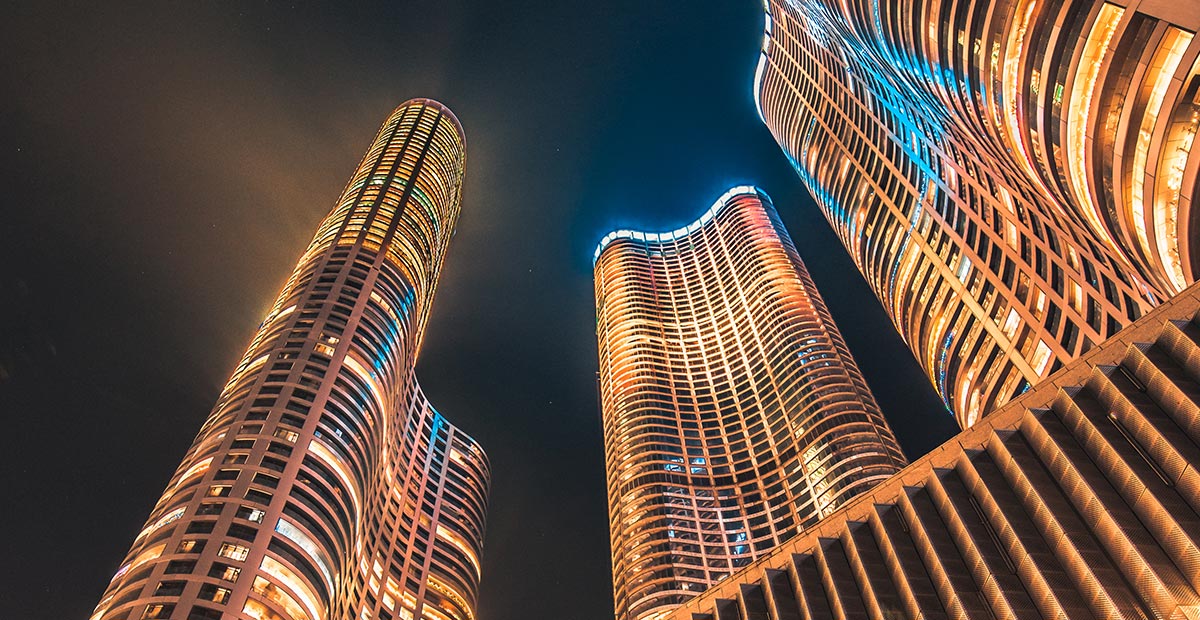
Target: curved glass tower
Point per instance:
(323, 484)
(734, 415)
(1014, 178)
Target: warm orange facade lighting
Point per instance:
(1014, 178)
(323, 484)
(1077, 501)
(734, 415)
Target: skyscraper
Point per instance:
(323, 484)
(1013, 178)
(733, 413)
(1077, 500)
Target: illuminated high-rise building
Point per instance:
(733, 413)
(1079, 500)
(1014, 178)
(324, 485)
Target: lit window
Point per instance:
(216, 594)
(268, 590)
(191, 546)
(250, 513)
(234, 552)
(310, 547)
(1041, 358)
(158, 610)
(166, 519)
(225, 572)
(282, 574)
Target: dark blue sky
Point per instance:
(164, 165)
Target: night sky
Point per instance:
(164, 165)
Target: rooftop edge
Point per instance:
(730, 194)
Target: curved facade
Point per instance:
(733, 413)
(1077, 501)
(1014, 178)
(323, 484)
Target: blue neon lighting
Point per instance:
(943, 391)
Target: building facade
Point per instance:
(323, 484)
(1078, 500)
(733, 413)
(1013, 178)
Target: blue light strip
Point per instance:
(762, 63)
(943, 391)
(758, 76)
